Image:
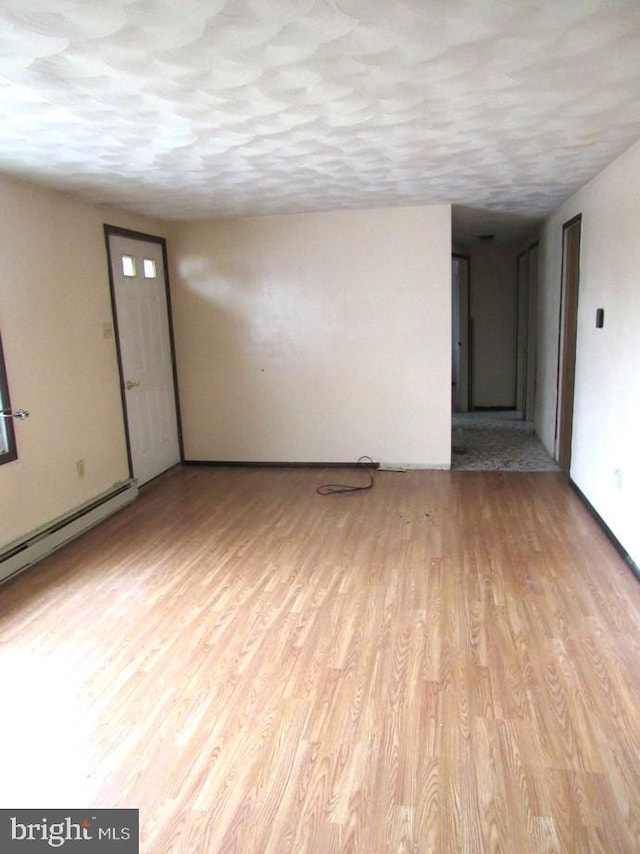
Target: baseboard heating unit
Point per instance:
(38, 544)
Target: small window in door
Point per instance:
(149, 268)
(128, 266)
(8, 449)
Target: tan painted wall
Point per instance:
(607, 388)
(318, 337)
(54, 299)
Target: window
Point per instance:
(149, 268)
(128, 266)
(8, 450)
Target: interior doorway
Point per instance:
(497, 437)
(141, 306)
(568, 334)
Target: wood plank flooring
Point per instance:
(449, 662)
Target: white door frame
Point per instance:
(116, 231)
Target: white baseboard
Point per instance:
(24, 552)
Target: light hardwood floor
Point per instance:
(449, 662)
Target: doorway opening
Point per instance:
(495, 429)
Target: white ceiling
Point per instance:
(192, 108)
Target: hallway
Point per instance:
(497, 441)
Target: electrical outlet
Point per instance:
(80, 468)
(107, 329)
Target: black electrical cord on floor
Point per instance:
(345, 488)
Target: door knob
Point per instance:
(131, 384)
(20, 414)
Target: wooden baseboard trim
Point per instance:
(615, 542)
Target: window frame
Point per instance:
(7, 427)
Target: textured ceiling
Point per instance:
(217, 107)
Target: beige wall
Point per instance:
(607, 388)
(54, 300)
(318, 337)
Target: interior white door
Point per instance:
(139, 284)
